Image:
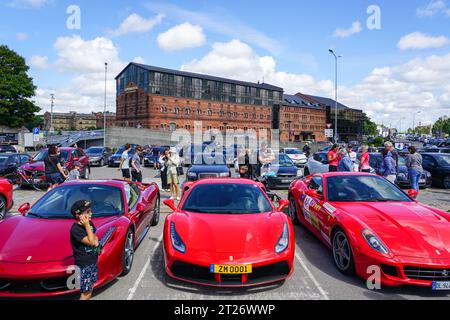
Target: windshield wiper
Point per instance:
(384, 200)
(36, 215)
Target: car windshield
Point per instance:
(122, 149)
(43, 154)
(443, 160)
(94, 150)
(292, 151)
(56, 204)
(365, 188)
(227, 199)
(401, 162)
(209, 159)
(3, 160)
(285, 161)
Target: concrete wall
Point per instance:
(118, 136)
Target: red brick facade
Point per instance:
(136, 108)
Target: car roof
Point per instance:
(225, 181)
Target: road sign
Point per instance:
(52, 130)
(36, 131)
(329, 125)
(329, 133)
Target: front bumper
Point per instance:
(280, 182)
(300, 163)
(113, 163)
(400, 271)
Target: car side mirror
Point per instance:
(24, 208)
(282, 204)
(171, 204)
(75, 159)
(314, 194)
(412, 193)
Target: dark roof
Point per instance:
(202, 76)
(328, 102)
(297, 101)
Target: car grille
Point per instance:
(428, 274)
(33, 286)
(268, 273)
(208, 175)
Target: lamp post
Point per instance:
(414, 121)
(335, 96)
(104, 108)
(52, 100)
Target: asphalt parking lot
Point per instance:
(315, 276)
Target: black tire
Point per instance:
(293, 214)
(343, 257)
(128, 253)
(38, 181)
(3, 208)
(102, 163)
(446, 182)
(157, 214)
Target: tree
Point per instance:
(36, 122)
(442, 126)
(16, 90)
(369, 127)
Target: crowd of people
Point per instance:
(344, 159)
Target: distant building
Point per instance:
(163, 99)
(349, 120)
(302, 118)
(74, 121)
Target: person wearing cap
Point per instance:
(74, 174)
(172, 174)
(136, 171)
(84, 244)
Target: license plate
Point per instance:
(231, 269)
(116, 161)
(441, 285)
(285, 181)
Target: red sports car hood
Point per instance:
(241, 235)
(29, 240)
(34, 166)
(408, 229)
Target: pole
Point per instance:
(335, 96)
(52, 100)
(104, 108)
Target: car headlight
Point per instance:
(428, 174)
(374, 241)
(177, 243)
(299, 173)
(283, 243)
(224, 174)
(402, 176)
(192, 175)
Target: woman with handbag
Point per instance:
(172, 164)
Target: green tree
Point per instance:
(369, 127)
(442, 126)
(36, 122)
(16, 90)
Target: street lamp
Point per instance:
(104, 108)
(335, 96)
(52, 100)
(414, 121)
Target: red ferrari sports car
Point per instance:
(6, 197)
(227, 233)
(35, 252)
(367, 221)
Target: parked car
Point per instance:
(114, 160)
(284, 173)
(208, 167)
(318, 163)
(68, 156)
(296, 156)
(9, 164)
(6, 197)
(227, 233)
(438, 164)
(375, 162)
(122, 212)
(434, 150)
(98, 155)
(6, 148)
(367, 221)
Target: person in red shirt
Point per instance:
(333, 158)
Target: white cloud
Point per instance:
(418, 40)
(221, 23)
(237, 60)
(139, 59)
(134, 23)
(21, 36)
(433, 8)
(395, 91)
(345, 33)
(39, 62)
(183, 36)
(29, 4)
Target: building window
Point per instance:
(177, 110)
(210, 113)
(187, 111)
(199, 112)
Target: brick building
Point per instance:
(73, 121)
(164, 99)
(302, 118)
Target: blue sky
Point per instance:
(285, 43)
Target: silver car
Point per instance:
(318, 163)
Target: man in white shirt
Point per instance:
(353, 156)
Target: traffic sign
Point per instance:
(329, 133)
(36, 131)
(329, 125)
(52, 130)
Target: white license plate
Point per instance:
(116, 161)
(441, 285)
(285, 181)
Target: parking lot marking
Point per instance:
(311, 276)
(144, 269)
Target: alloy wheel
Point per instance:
(2, 208)
(129, 251)
(342, 252)
(447, 182)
